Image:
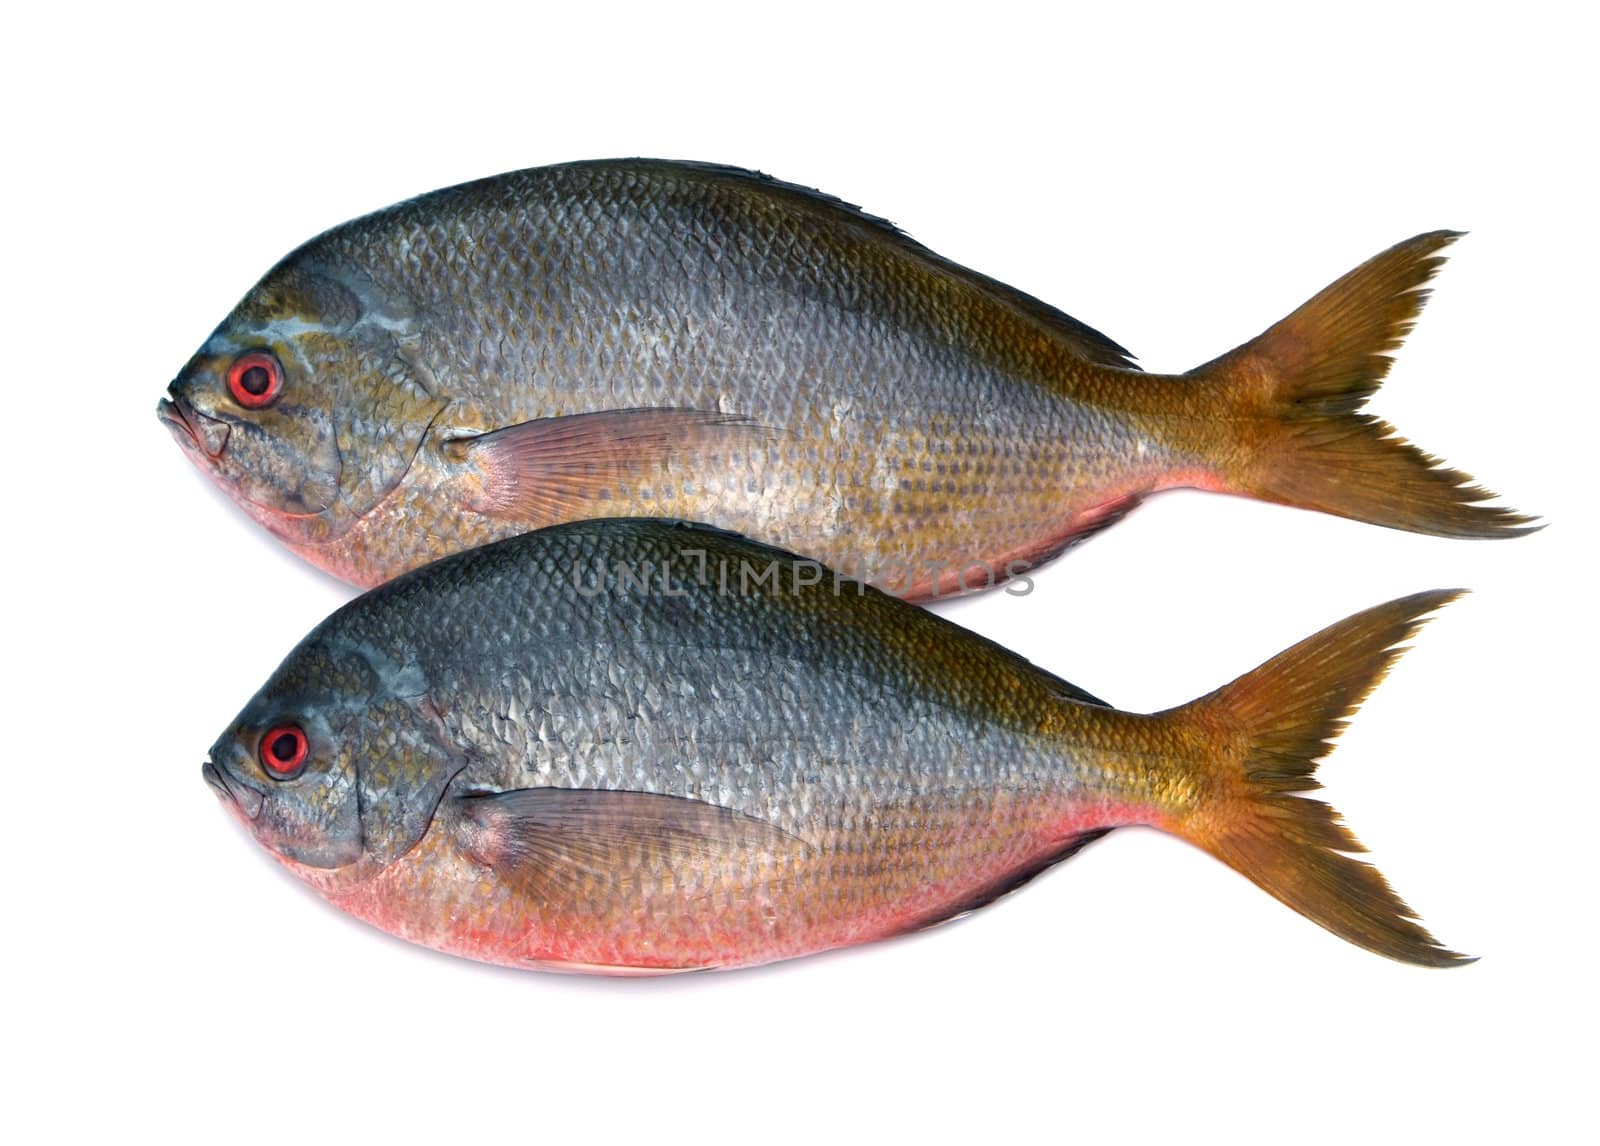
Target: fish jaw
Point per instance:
(204, 441)
(243, 803)
(195, 432)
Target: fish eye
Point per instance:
(283, 751)
(254, 380)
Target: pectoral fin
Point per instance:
(575, 845)
(551, 469)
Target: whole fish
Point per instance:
(643, 337)
(632, 746)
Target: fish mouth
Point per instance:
(193, 429)
(200, 434)
(245, 800)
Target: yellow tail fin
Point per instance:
(1274, 724)
(1300, 387)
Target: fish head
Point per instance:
(307, 405)
(339, 762)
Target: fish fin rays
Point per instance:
(1298, 390)
(1080, 528)
(1083, 340)
(1014, 881)
(1278, 721)
(554, 469)
(1072, 692)
(566, 846)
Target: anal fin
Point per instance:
(1025, 558)
(1004, 886)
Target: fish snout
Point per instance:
(241, 799)
(192, 428)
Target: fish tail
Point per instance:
(1265, 733)
(1301, 386)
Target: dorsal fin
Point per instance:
(1083, 340)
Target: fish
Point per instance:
(691, 341)
(636, 747)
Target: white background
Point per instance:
(1178, 179)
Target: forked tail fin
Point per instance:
(1270, 727)
(1297, 391)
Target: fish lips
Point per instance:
(193, 429)
(246, 801)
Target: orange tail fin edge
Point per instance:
(1276, 722)
(1301, 386)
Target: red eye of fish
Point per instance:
(283, 751)
(254, 380)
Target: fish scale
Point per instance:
(515, 759)
(446, 343)
(535, 320)
(794, 716)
